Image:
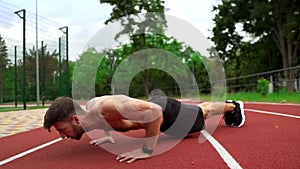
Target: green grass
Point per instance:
(6, 109)
(280, 97)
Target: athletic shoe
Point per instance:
(236, 118)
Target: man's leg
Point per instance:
(233, 111)
(210, 109)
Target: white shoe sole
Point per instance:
(242, 112)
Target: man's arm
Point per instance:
(92, 105)
(147, 114)
(106, 139)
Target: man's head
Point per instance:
(62, 114)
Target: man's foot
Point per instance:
(235, 118)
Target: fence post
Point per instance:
(16, 79)
(43, 75)
(24, 53)
(59, 65)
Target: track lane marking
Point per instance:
(273, 113)
(228, 159)
(28, 151)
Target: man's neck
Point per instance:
(91, 122)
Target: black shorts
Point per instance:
(179, 119)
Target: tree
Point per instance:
(126, 11)
(278, 20)
(147, 32)
(3, 64)
(85, 74)
(9, 84)
(155, 44)
(51, 72)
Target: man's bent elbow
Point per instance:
(156, 114)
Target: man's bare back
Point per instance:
(107, 109)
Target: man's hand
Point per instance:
(105, 139)
(133, 156)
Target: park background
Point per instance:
(258, 43)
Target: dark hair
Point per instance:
(60, 110)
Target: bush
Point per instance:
(262, 86)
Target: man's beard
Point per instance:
(79, 132)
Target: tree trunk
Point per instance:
(290, 75)
(146, 82)
(287, 49)
(139, 42)
(1, 90)
(237, 74)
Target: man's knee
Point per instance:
(205, 109)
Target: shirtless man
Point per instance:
(122, 113)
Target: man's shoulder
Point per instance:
(102, 99)
(95, 99)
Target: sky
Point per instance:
(85, 17)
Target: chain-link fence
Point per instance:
(42, 36)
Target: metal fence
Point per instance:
(276, 78)
(21, 30)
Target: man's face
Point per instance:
(69, 129)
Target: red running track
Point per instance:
(265, 141)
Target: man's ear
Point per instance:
(75, 119)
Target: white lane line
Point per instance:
(229, 160)
(276, 104)
(273, 113)
(28, 151)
